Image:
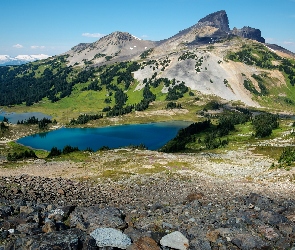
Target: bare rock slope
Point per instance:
(118, 45)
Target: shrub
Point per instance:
(21, 155)
(54, 152)
(287, 156)
(264, 124)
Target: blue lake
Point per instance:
(14, 117)
(152, 135)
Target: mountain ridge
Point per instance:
(207, 58)
(122, 45)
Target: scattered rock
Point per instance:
(66, 240)
(60, 191)
(212, 235)
(200, 244)
(248, 241)
(268, 232)
(193, 196)
(49, 227)
(26, 209)
(56, 214)
(272, 217)
(213, 215)
(144, 243)
(136, 234)
(90, 218)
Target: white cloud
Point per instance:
(289, 43)
(97, 35)
(37, 47)
(144, 36)
(18, 46)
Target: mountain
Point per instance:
(20, 59)
(118, 46)
(207, 59)
(121, 46)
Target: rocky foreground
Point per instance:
(146, 212)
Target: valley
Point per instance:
(226, 181)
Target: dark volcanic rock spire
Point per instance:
(250, 33)
(217, 19)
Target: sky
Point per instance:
(53, 27)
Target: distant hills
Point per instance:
(20, 59)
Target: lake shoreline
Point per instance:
(152, 135)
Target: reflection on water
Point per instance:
(43, 135)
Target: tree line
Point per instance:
(19, 84)
(42, 124)
(207, 135)
(85, 118)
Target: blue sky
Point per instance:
(54, 26)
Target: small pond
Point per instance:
(152, 135)
(14, 117)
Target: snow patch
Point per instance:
(20, 59)
(136, 37)
(31, 57)
(4, 57)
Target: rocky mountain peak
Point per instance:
(121, 36)
(217, 19)
(250, 33)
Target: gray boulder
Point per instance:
(175, 240)
(110, 237)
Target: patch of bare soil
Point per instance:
(170, 112)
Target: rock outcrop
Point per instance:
(250, 33)
(218, 20)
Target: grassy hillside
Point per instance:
(273, 86)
